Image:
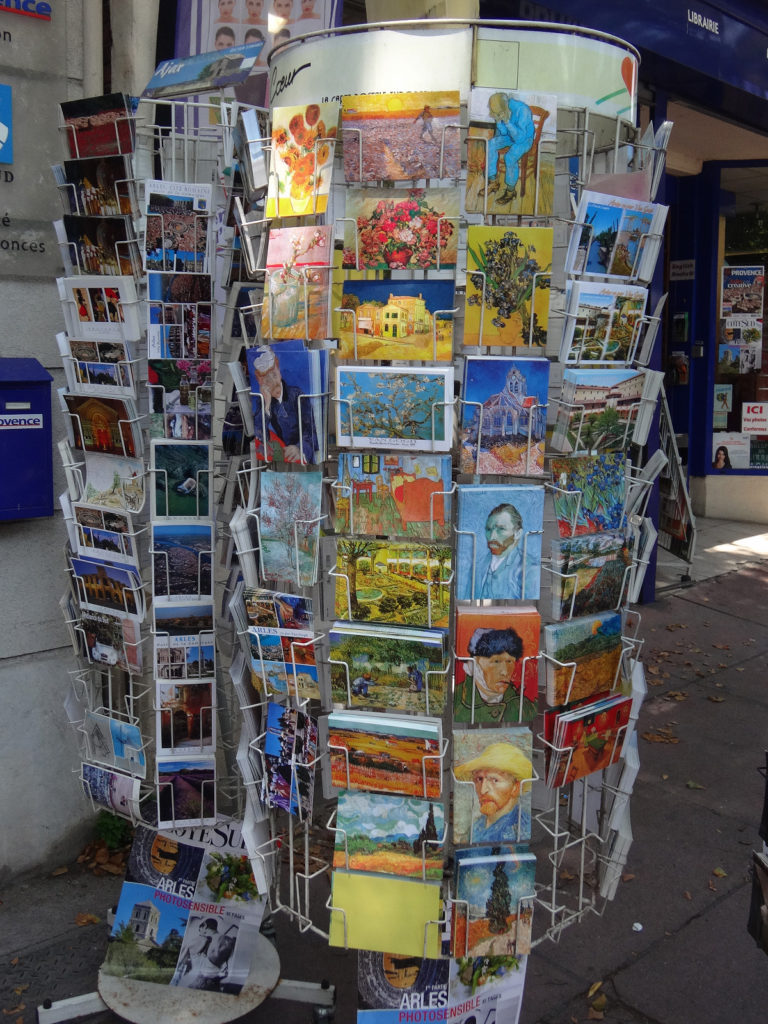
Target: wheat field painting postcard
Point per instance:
(396, 320)
(586, 653)
(303, 144)
(400, 136)
(508, 282)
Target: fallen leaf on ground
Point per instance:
(660, 736)
(21, 988)
(687, 895)
(600, 1003)
(627, 877)
(677, 695)
(664, 777)
(722, 647)
(566, 876)
(719, 873)
(715, 699)
(712, 886)
(676, 625)
(15, 1009)
(595, 1014)
(59, 871)
(694, 785)
(739, 669)
(83, 919)
(14, 961)
(593, 988)
(654, 670)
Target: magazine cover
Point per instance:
(511, 153)
(498, 550)
(390, 835)
(508, 283)
(589, 652)
(602, 322)
(394, 407)
(387, 982)
(303, 146)
(188, 915)
(743, 291)
(290, 752)
(393, 581)
(401, 229)
(177, 216)
(400, 136)
(394, 494)
(494, 908)
(181, 476)
(396, 320)
(180, 398)
(181, 560)
(496, 665)
(179, 315)
(504, 415)
(492, 789)
(290, 525)
(383, 668)
(297, 285)
(100, 307)
(589, 492)
(592, 573)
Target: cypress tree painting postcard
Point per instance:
(498, 550)
(492, 771)
(507, 298)
(496, 665)
(589, 652)
(396, 320)
(592, 573)
(389, 835)
(511, 153)
(297, 286)
(400, 136)
(401, 229)
(289, 521)
(589, 492)
(393, 581)
(303, 144)
(602, 322)
(504, 415)
(494, 908)
(393, 407)
(393, 494)
(384, 668)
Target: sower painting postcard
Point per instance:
(303, 145)
(290, 525)
(588, 651)
(400, 136)
(393, 581)
(394, 407)
(511, 153)
(297, 287)
(396, 320)
(494, 909)
(492, 787)
(390, 835)
(401, 229)
(188, 915)
(504, 415)
(589, 492)
(179, 307)
(498, 552)
(394, 494)
(507, 301)
(496, 666)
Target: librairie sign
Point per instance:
(29, 8)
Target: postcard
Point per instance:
(394, 407)
(289, 385)
(272, 608)
(508, 284)
(102, 368)
(283, 662)
(598, 409)
(615, 237)
(102, 307)
(390, 835)
(494, 904)
(585, 738)
(297, 286)
(181, 628)
(496, 664)
(177, 216)
(110, 639)
(181, 560)
(109, 426)
(589, 492)
(392, 915)
(492, 788)
(401, 136)
(401, 229)
(100, 245)
(385, 982)
(383, 668)
(289, 521)
(118, 793)
(290, 752)
(99, 187)
(102, 585)
(586, 655)
(303, 146)
(393, 581)
(394, 494)
(184, 656)
(112, 481)
(385, 753)
(114, 742)
(498, 552)
(504, 415)
(99, 529)
(396, 320)
(511, 153)
(591, 573)
(180, 398)
(186, 791)
(186, 716)
(603, 322)
(181, 472)
(179, 316)
(99, 125)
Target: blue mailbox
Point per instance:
(26, 460)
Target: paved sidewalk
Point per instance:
(695, 809)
